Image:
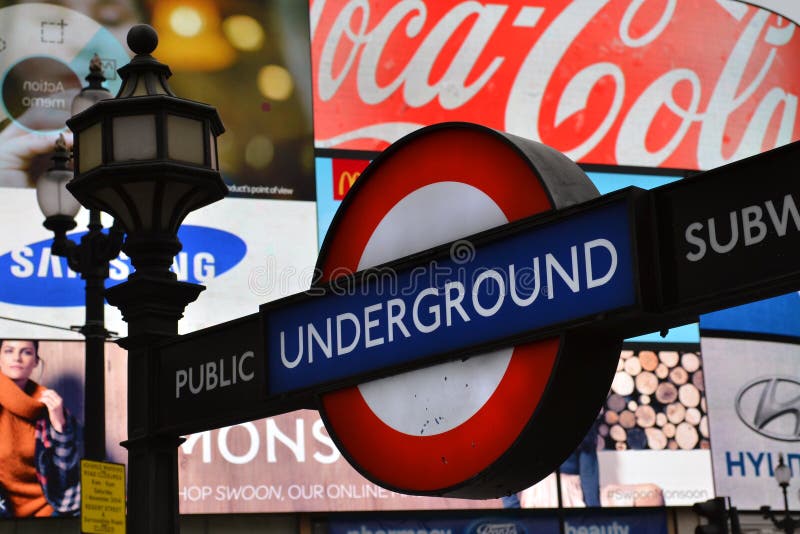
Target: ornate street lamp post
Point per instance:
(788, 524)
(89, 259)
(148, 158)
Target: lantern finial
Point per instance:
(142, 39)
(61, 153)
(144, 75)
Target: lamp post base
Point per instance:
(152, 307)
(786, 524)
(152, 479)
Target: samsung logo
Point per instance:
(770, 406)
(32, 276)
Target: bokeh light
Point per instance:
(243, 32)
(259, 152)
(229, 160)
(275, 82)
(186, 21)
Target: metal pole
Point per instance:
(561, 522)
(788, 521)
(95, 333)
(151, 304)
(90, 259)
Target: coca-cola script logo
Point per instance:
(771, 407)
(692, 84)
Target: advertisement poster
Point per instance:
(650, 444)
(653, 436)
(286, 463)
(605, 82)
(584, 523)
(445, 525)
(649, 447)
(752, 389)
(58, 368)
(251, 60)
(245, 251)
(776, 318)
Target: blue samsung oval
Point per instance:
(31, 276)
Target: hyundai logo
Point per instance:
(770, 406)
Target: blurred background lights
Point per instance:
(230, 161)
(185, 21)
(190, 36)
(244, 32)
(259, 152)
(275, 82)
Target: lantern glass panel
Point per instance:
(185, 140)
(783, 473)
(212, 146)
(141, 87)
(90, 151)
(88, 98)
(135, 137)
(52, 194)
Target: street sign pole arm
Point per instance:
(215, 377)
(730, 235)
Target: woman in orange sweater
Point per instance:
(39, 457)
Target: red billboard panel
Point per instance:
(692, 84)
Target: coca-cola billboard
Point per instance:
(692, 84)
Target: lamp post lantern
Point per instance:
(787, 524)
(57, 204)
(148, 158)
(89, 258)
(94, 92)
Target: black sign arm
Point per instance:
(215, 377)
(730, 235)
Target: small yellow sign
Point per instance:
(102, 497)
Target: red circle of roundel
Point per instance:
(496, 165)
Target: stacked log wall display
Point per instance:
(657, 401)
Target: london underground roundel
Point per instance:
(494, 423)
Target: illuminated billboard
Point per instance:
(613, 82)
(251, 61)
(41, 442)
(752, 394)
